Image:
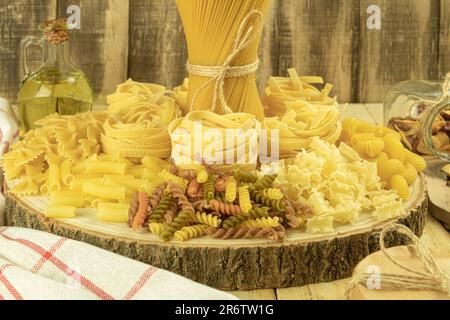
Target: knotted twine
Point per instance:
(444, 94)
(218, 74)
(431, 280)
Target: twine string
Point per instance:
(432, 280)
(218, 74)
(444, 94)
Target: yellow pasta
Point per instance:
(231, 190)
(188, 233)
(156, 228)
(59, 211)
(54, 177)
(394, 149)
(389, 168)
(112, 212)
(399, 184)
(107, 167)
(206, 219)
(273, 194)
(202, 175)
(244, 199)
(66, 172)
(169, 177)
(77, 184)
(262, 223)
(415, 160)
(104, 192)
(64, 198)
(410, 174)
(155, 164)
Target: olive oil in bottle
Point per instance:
(57, 86)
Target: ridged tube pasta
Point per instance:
(410, 174)
(207, 219)
(60, 212)
(415, 160)
(399, 184)
(262, 223)
(394, 149)
(244, 199)
(113, 212)
(107, 167)
(231, 190)
(387, 169)
(72, 199)
(188, 233)
(66, 172)
(273, 194)
(54, 178)
(104, 192)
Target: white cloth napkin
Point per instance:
(39, 266)
(9, 133)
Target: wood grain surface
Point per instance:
(144, 39)
(100, 47)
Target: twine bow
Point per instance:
(218, 74)
(432, 280)
(444, 94)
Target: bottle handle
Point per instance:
(427, 128)
(26, 42)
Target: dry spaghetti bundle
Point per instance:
(223, 38)
(139, 117)
(281, 90)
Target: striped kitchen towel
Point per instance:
(41, 266)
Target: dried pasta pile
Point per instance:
(45, 156)
(212, 130)
(284, 90)
(140, 114)
(193, 203)
(398, 167)
(338, 185)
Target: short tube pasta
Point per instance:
(66, 172)
(54, 178)
(104, 192)
(113, 212)
(58, 211)
(107, 167)
(73, 199)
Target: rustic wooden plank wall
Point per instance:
(144, 39)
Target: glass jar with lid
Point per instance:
(420, 112)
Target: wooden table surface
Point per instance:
(434, 235)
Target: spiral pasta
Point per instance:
(225, 208)
(231, 190)
(206, 219)
(191, 232)
(273, 194)
(202, 175)
(274, 234)
(237, 220)
(157, 214)
(262, 223)
(180, 221)
(156, 228)
(210, 187)
(246, 177)
(169, 177)
(244, 199)
(141, 214)
(264, 183)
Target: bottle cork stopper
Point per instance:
(56, 31)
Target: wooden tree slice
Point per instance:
(440, 197)
(237, 264)
(406, 256)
